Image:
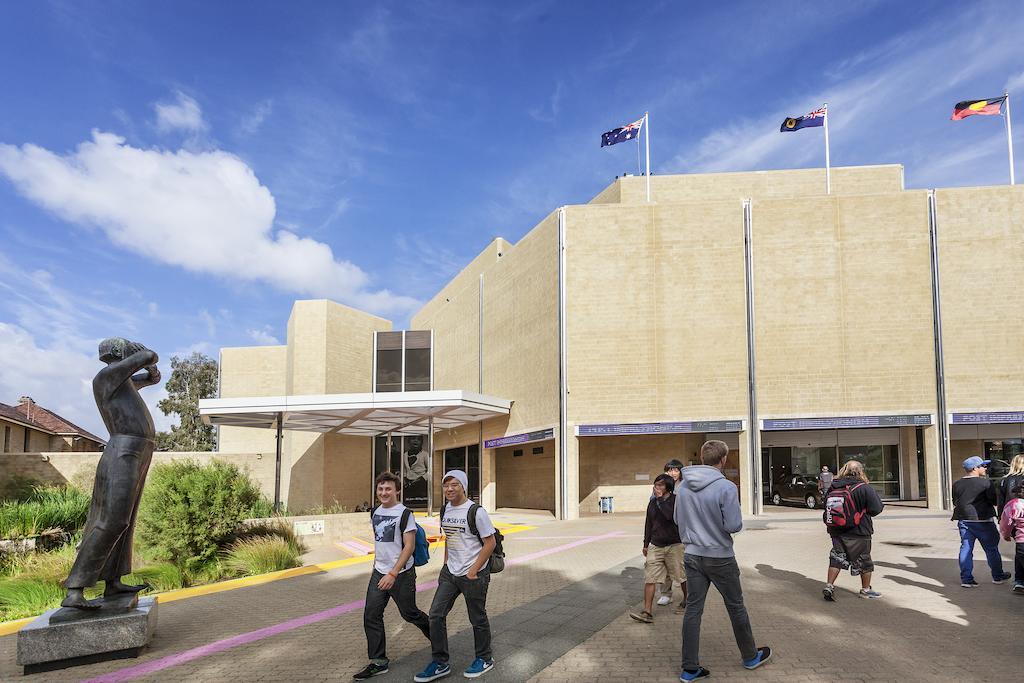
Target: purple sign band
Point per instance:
(542, 435)
(660, 428)
(855, 422)
(987, 418)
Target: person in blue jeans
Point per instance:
(707, 513)
(974, 507)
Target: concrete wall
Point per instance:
(61, 468)
(251, 371)
(981, 252)
(842, 301)
(806, 182)
(526, 481)
(37, 440)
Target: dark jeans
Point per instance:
(403, 592)
(985, 533)
(1018, 564)
(724, 573)
(450, 587)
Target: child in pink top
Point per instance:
(1011, 528)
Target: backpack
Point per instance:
(421, 552)
(841, 512)
(497, 559)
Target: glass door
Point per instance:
(467, 459)
(881, 464)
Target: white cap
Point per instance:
(460, 476)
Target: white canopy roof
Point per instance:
(405, 412)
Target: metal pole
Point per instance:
(277, 463)
(563, 386)
(828, 165)
(647, 139)
(1009, 135)
(430, 465)
(754, 426)
(940, 369)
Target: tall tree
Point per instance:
(192, 378)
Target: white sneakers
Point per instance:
(664, 600)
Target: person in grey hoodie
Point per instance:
(708, 513)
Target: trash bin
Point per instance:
(607, 504)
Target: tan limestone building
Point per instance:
(803, 329)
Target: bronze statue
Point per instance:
(106, 550)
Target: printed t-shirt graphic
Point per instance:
(463, 546)
(387, 543)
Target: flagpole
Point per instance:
(828, 169)
(647, 130)
(1009, 135)
(638, 168)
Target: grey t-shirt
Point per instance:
(387, 543)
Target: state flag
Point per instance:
(621, 134)
(990, 107)
(814, 118)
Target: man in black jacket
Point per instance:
(851, 548)
(662, 548)
(974, 506)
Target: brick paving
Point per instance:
(573, 604)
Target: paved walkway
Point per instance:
(559, 613)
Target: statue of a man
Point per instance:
(106, 550)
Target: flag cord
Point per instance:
(828, 165)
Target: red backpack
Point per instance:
(841, 511)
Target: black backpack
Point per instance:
(497, 559)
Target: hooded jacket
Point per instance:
(707, 511)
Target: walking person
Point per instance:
(673, 468)
(1007, 483)
(974, 506)
(1011, 526)
(707, 513)
(393, 576)
(468, 544)
(663, 551)
(824, 481)
(851, 503)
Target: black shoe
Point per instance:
(688, 675)
(829, 593)
(370, 671)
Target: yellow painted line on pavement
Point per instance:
(9, 627)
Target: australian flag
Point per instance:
(621, 134)
(814, 118)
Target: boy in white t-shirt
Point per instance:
(465, 573)
(393, 576)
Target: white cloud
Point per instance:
(153, 308)
(203, 211)
(183, 114)
(263, 336)
(1015, 85)
(211, 324)
(549, 112)
(252, 122)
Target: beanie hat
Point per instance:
(458, 475)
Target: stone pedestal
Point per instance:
(69, 637)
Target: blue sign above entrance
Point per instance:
(854, 422)
(542, 435)
(987, 418)
(660, 428)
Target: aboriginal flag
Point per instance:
(991, 107)
(814, 118)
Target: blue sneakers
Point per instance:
(694, 675)
(478, 668)
(763, 655)
(434, 671)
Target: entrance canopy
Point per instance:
(400, 412)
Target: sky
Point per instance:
(180, 173)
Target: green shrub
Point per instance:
(17, 487)
(162, 576)
(190, 511)
(262, 509)
(259, 555)
(47, 509)
(26, 596)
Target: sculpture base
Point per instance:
(70, 637)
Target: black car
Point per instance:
(796, 488)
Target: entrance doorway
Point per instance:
(408, 458)
(467, 459)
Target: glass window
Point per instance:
(389, 362)
(881, 464)
(417, 369)
(1001, 453)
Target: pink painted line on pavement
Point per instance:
(131, 672)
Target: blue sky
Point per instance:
(179, 173)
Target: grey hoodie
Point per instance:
(707, 511)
